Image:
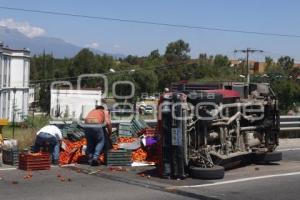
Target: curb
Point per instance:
(159, 187)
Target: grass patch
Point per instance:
(25, 132)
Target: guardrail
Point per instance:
(289, 123)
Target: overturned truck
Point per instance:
(205, 128)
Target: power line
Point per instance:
(150, 22)
(107, 73)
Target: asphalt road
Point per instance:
(276, 182)
(46, 185)
(279, 181)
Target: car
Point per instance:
(149, 109)
(151, 97)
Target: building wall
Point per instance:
(14, 83)
(73, 104)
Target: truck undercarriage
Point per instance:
(204, 131)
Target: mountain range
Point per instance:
(37, 45)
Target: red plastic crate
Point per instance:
(31, 162)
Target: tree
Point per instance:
(286, 63)
(154, 55)
(153, 60)
(268, 63)
(83, 62)
(132, 60)
(288, 93)
(221, 61)
(177, 52)
(146, 81)
(166, 77)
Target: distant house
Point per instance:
(255, 66)
(14, 83)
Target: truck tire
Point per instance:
(216, 172)
(265, 158)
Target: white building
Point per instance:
(73, 104)
(14, 83)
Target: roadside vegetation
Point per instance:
(158, 70)
(25, 132)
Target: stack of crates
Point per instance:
(114, 137)
(10, 156)
(73, 132)
(118, 158)
(137, 126)
(30, 162)
(125, 130)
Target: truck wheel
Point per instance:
(216, 172)
(269, 157)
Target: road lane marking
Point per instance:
(290, 149)
(235, 181)
(8, 169)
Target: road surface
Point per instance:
(279, 181)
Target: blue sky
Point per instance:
(278, 16)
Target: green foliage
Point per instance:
(286, 63)
(155, 72)
(177, 52)
(288, 93)
(283, 77)
(221, 61)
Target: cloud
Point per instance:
(93, 45)
(23, 27)
(116, 46)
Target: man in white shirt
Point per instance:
(49, 137)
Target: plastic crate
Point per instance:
(30, 162)
(125, 133)
(118, 158)
(137, 125)
(125, 126)
(125, 130)
(10, 156)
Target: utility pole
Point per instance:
(248, 51)
(14, 112)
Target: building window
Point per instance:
(5, 72)
(4, 106)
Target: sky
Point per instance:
(274, 16)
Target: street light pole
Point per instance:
(248, 67)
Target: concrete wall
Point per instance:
(73, 104)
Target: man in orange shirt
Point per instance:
(98, 133)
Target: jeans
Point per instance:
(49, 142)
(95, 140)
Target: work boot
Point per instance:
(55, 162)
(95, 162)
